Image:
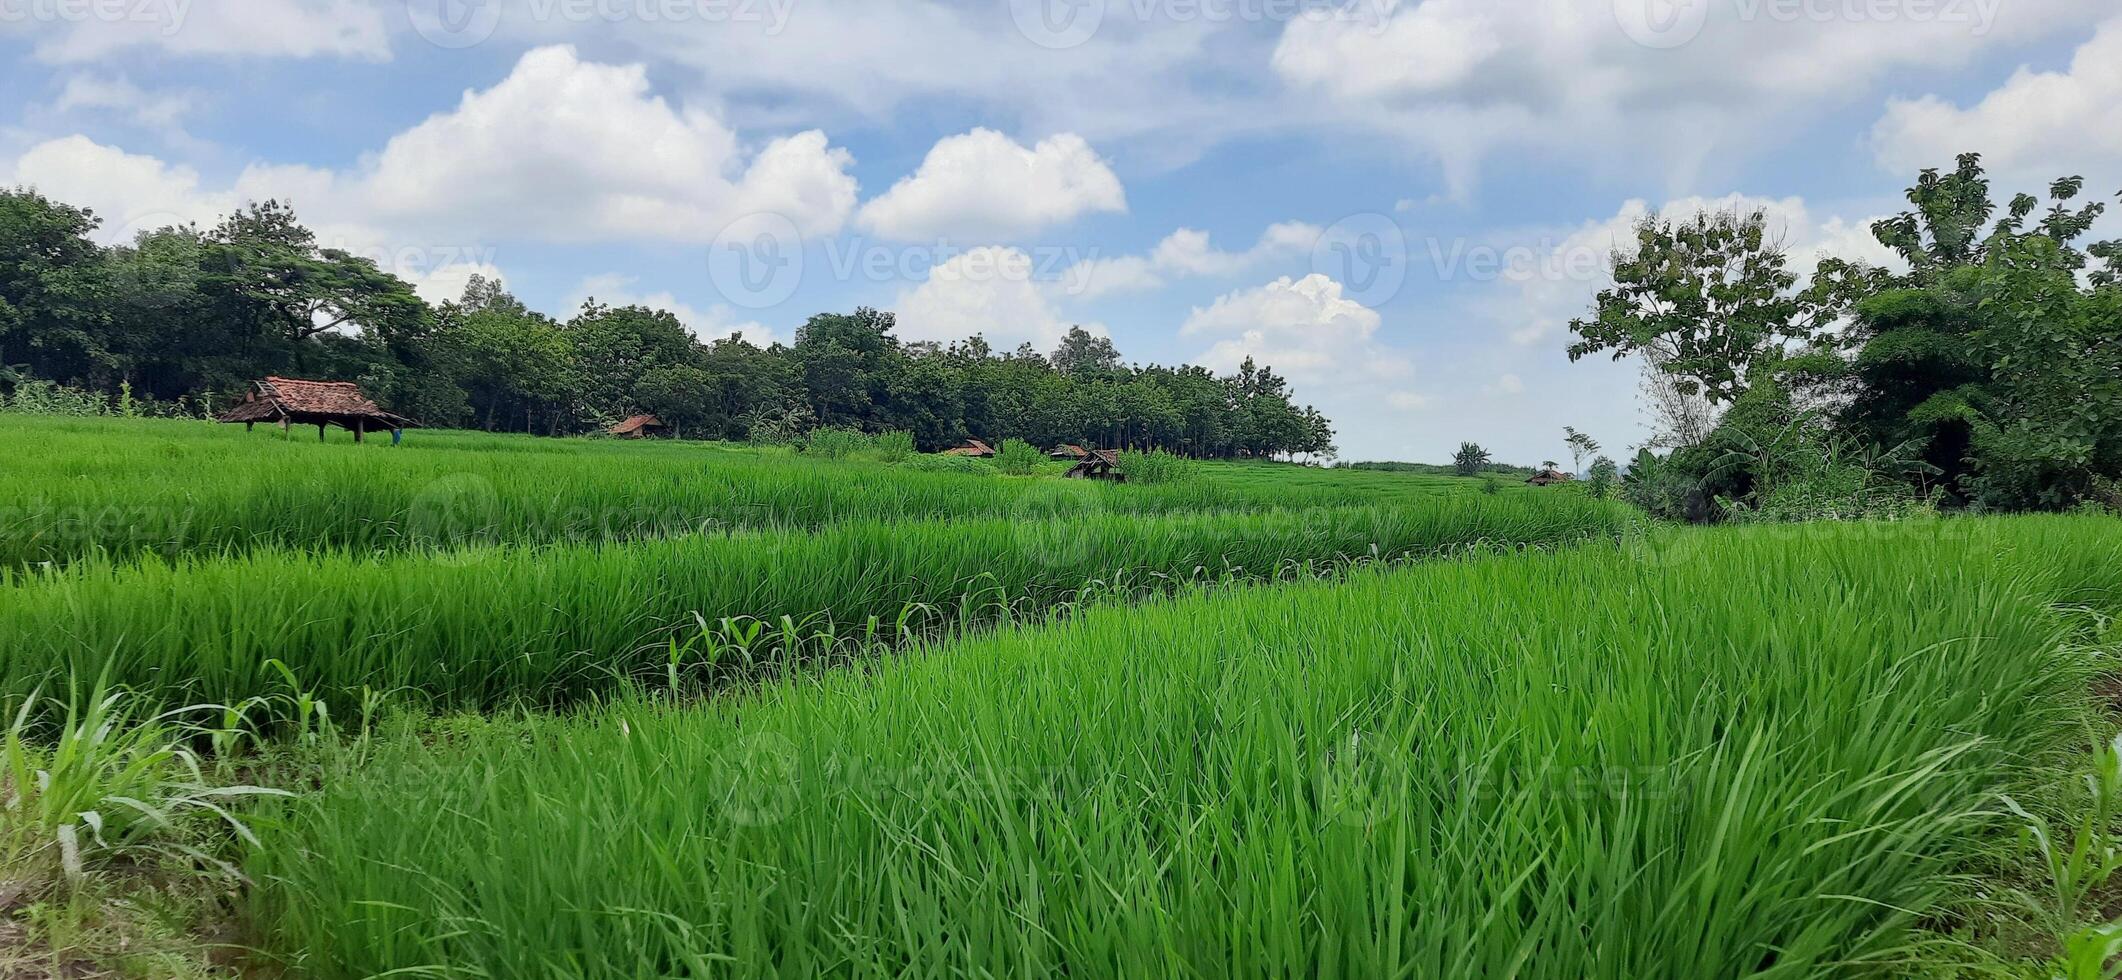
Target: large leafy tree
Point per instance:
(265, 270)
(614, 347)
(51, 279)
(1988, 359)
(1705, 299)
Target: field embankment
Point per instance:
(1740, 753)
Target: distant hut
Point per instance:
(973, 448)
(639, 427)
(289, 402)
(1549, 477)
(1099, 464)
(1069, 452)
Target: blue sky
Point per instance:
(1399, 205)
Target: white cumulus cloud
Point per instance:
(1304, 328)
(991, 290)
(984, 185)
(2035, 127)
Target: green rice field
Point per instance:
(863, 718)
(1768, 759)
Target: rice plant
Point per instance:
(117, 488)
(1737, 754)
(492, 626)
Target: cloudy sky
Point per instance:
(1397, 204)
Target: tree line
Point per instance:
(182, 318)
(1987, 374)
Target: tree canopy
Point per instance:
(189, 316)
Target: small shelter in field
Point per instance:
(639, 427)
(1549, 477)
(290, 401)
(1069, 451)
(1099, 464)
(973, 448)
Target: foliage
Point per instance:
(35, 397)
(893, 447)
(1704, 297)
(1987, 375)
(1156, 466)
(1796, 765)
(121, 489)
(1018, 458)
(184, 314)
(1604, 477)
(1470, 460)
(105, 777)
(836, 443)
(503, 625)
(1580, 446)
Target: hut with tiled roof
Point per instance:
(291, 401)
(639, 427)
(973, 448)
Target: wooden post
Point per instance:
(320, 432)
(250, 426)
(359, 426)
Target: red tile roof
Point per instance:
(276, 398)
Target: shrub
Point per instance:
(836, 443)
(1158, 466)
(894, 447)
(34, 397)
(1604, 475)
(1019, 458)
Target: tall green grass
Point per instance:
(485, 627)
(1746, 754)
(79, 488)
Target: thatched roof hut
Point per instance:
(292, 401)
(1069, 451)
(639, 427)
(1549, 477)
(1099, 464)
(973, 448)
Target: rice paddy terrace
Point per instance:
(572, 708)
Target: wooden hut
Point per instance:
(973, 448)
(1069, 452)
(289, 401)
(639, 427)
(1549, 477)
(1099, 464)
